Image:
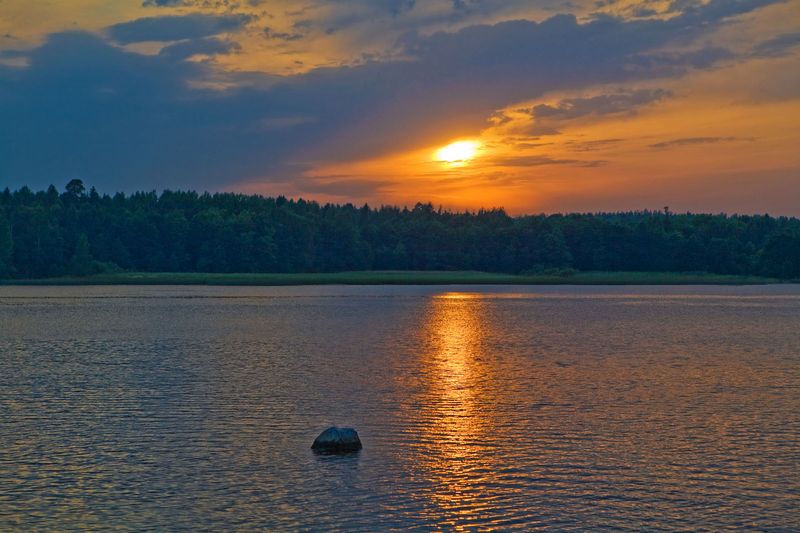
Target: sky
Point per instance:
(531, 105)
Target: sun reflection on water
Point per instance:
(456, 332)
(458, 404)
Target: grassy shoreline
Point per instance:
(400, 278)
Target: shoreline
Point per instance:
(401, 278)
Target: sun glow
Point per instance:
(458, 152)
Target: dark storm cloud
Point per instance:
(175, 28)
(122, 120)
(84, 108)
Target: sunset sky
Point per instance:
(534, 105)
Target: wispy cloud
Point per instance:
(540, 160)
(175, 28)
(205, 46)
(778, 46)
(591, 146)
(603, 104)
(699, 140)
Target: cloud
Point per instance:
(13, 54)
(683, 5)
(778, 46)
(175, 28)
(591, 146)
(277, 123)
(123, 120)
(396, 7)
(84, 107)
(163, 3)
(391, 7)
(349, 13)
(695, 12)
(216, 4)
(669, 63)
(699, 140)
(343, 186)
(206, 46)
(269, 33)
(642, 12)
(541, 160)
(604, 104)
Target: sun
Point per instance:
(458, 152)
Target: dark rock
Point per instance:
(337, 440)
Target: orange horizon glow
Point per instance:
(717, 138)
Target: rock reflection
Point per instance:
(458, 407)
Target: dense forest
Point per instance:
(76, 232)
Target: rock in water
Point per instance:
(337, 440)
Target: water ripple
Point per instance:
(480, 409)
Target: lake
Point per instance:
(485, 408)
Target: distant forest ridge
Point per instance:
(49, 234)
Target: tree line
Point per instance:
(75, 232)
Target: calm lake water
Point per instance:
(194, 408)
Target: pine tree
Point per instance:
(81, 263)
(6, 247)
